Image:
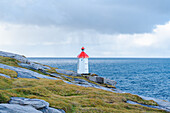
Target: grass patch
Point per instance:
(8, 72)
(52, 70)
(9, 61)
(72, 98)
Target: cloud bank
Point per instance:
(109, 16)
(110, 28)
(56, 41)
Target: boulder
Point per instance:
(96, 79)
(92, 78)
(15, 108)
(52, 110)
(40, 106)
(99, 80)
(36, 103)
(110, 82)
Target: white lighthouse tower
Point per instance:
(82, 67)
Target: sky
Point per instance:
(106, 28)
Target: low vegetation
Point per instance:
(8, 72)
(71, 98)
(9, 61)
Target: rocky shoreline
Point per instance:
(32, 70)
(25, 105)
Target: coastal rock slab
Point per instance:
(24, 61)
(163, 104)
(100, 80)
(110, 82)
(36, 103)
(15, 108)
(25, 73)
(71, 73)
(52, 110)
(92, 78)
(96, 79)
(4, 75)
(16, 56)
(53, 74)
(80, 81)
(26, 105)
(33, 66)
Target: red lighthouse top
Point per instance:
(83, 54)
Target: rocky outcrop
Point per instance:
(163, 104)
(110, 82)
(15, 56)
(4, 75)
(25, 105)
(71, 73)
(101, 80)
(24, 61)
(36, 103)
(33, 66)
(25, 73)
(15, 108)
(84, 83)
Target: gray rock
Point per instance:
(85, 83)
(100, 80)
(163, 104)
(96, 79)
(15, 108)
(22, 74)
(52, 110)
(33, 66)
(25, 105)
(81, 81)
(110, 82)
(5, 75)
(26, 73)
(67, 77)
(16, 56)
(24, 61)
(54, 75)
(71, 73)
(36, 103)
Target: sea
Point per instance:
(148, 77)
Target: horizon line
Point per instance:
(89, 57)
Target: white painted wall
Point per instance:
(83, 67)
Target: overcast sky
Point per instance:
(106, 28)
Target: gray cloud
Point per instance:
(105, 16)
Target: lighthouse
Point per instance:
(83, 67)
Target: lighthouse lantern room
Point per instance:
(82, 67)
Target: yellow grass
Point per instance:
(8, 72)
(72, 98)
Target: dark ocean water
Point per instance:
(143, 76)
